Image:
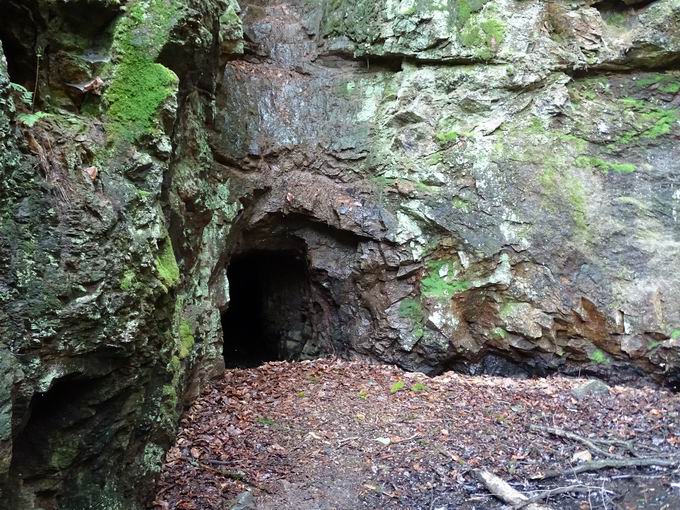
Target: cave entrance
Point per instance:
(270, 313)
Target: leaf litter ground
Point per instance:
(331, 434)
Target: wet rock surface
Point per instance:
(507, 184)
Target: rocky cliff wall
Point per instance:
(481, 185)
(103, 326)
(507, 170)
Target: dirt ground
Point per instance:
(332, 434)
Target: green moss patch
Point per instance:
(499, 333)
(509, 309)
(139, 85)
(129, 280)
(450, 131)
(483, 35)
(397, 387)
(666, 83)
(466, 8)
(166, 265)
(605, 166)
(135, 95)
(441, 282)
(599, 357)
(186, 339)
(571, 188)
(651, 121)
(412, 310)
(451, 136)
(461, 204)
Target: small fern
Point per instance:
(25, 95)
(30, 119)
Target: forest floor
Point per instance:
(332, 434)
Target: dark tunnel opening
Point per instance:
(20, 41)
(270, 313)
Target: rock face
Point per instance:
(101, 330)
(491, 186)
(505, 185)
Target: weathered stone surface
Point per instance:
(590, 388)
(246, 501)
(101, 330)
(503, 206)
(537, 36)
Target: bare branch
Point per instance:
(502, 490)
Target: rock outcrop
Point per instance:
(507, 171)
(103, 326)
(488, 186)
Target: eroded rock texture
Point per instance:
(101, 329)
(481, 185)
(509, 183)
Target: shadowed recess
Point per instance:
(269, 311)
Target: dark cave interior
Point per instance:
(270, 314)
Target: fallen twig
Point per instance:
(407, 439)
(570, 435)
(347, 440)
(648, 477)
(557, 491)
(502, 490)
(238, 477)
(219, 462)
(611, 463)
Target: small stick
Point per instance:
(238, 477)
(612, 463)
(649, 477)
(570, 435)
(347, 440)
(219, 462)
(406, 440)
(555, 492)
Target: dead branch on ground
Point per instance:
(502, 490)
(575, 437)
(611, 463)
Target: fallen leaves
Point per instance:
(336, 431)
